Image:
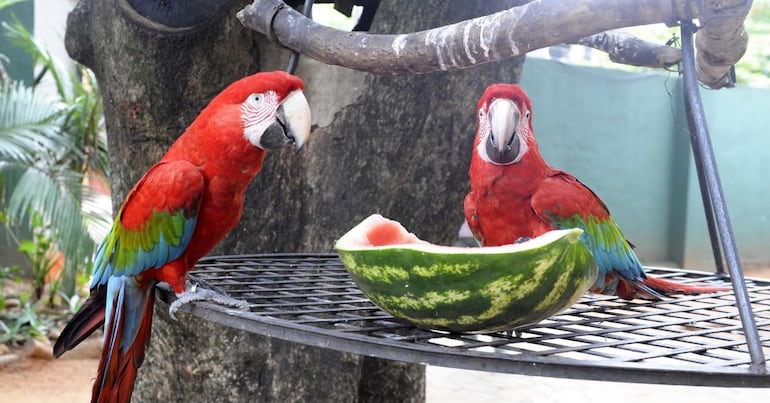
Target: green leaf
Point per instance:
(8, 3)
(28, 248)
(29, 124)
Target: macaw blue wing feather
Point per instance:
(155, 224)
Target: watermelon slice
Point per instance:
(461, 289)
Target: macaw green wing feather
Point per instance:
(565, 202)
(155, 223)
(607, 244)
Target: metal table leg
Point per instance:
(711, 188)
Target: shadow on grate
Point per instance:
(691, 340)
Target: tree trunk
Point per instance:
(395, 145)
(399, 146)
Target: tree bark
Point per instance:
(516, 31)
(395, 145)
(154, 78)
(508, 33)
(721, 41)
(625, 48)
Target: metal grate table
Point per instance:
(689, 340)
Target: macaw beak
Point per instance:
(503, 143)
(292, 123)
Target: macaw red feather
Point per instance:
(562, 195)
(668, 287)
(182, 185)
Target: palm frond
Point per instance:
(77, 89)
(56, 196)
(85, 123)
(21, 37)
(7, 3)
(97, 210)
(29, 123)
(46, 157)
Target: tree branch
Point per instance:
(721, 41)
(505, 34)
(514, 32)
(626, 48)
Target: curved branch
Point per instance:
(626, 48)
(505, 34)
(516, 31)
(721, 41)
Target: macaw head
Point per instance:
(505, 125)
(269, 110)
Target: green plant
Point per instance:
(24, 323)
(9, 333)
(7, 272)
(39, 252)
(73, 302)
(52, 146)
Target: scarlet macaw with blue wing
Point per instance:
(176, 213)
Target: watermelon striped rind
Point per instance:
(471, 290)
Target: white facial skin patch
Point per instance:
(258, 112)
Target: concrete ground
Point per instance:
(447, 385)
(69, 380)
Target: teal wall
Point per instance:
(18, 67)
(739, 122)
(19, 63)
(624, 135)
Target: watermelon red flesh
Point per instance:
(466, 289)
(388, 232)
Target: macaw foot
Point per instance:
(513, 333)
(195, 293)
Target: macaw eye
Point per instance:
(255, 98)
(526, 115)
(481, 114)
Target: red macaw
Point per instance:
(176, 213)
(515, 195)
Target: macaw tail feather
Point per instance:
(89, 318)
(628, 290)
(668, 287)
(655, 289)
(126, 335)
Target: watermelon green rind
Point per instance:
(471, 290)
